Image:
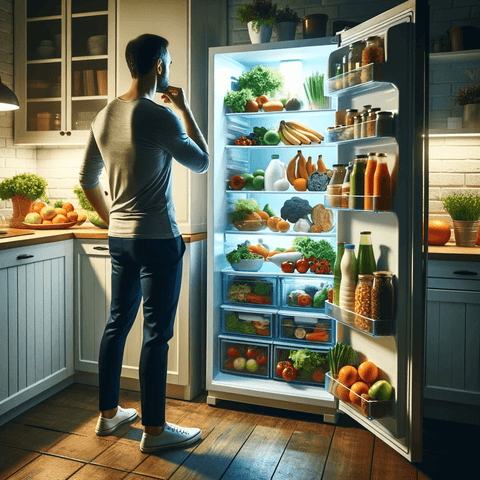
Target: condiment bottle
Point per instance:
(366, 257)
(371, 121)
(337, 272)
(369, 176)
(382, 296)
(357, 183)
(381, 184)
(348, 282)
(346, 186)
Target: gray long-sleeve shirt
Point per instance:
(136, 141)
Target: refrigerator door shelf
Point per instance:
(332, 201)
(356, 81)
(346, 135)
(368, 326)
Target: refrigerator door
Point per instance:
(397, 235)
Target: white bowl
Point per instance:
(279, 258)
(248, 265)
(97, 45)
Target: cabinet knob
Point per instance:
(100, 248)
(69, 133)
(24, 256)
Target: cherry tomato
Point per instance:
(289, 374)
(262, 359)
(252, 352)
(280, 367)
(233, 352)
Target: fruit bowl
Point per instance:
(51, 226)
(248, 265)
(279, 258)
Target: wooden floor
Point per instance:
(56, 440)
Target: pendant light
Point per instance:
(8, 100)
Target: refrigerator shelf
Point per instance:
(356, 81)
(280, 145)
(282, 113)
(290, 233)
(384, 140)
(291, 191)
(372, 409)
(368, 326)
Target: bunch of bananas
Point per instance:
(294, 133)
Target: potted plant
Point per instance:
(465, 212)
(286, 21)
(469, 97)
(23, 190)
(259, 16)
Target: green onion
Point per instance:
(314, 91)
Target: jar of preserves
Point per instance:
(373, 51)
(382, 296)
(371, 121)
(355, 55)
(349, 116)
(357, 126)
(363, 301)
(339, 170)
(384, 124)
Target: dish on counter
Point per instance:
(52, 226)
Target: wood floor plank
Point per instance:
(387, 463)
(79, 447)
(47, 467)
(75, 395)
(214, 454)
(96, 472)
(306, 452)
(260, 454)
(124, 455)
(164, 464)
(350, 454)
(13, 459)
(29, 438)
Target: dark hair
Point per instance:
(142, 53)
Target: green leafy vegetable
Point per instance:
(464, 207)
(262, 288)
(242, 253)
(233, 324)
(243, 207)
(310, 248)
(340, 355)
(28, 184)
(82, 199)
(261, 81)
(306, 361)
(237, 100)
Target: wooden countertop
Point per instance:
(83, 231)
(451, 252)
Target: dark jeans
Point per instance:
(152, 269)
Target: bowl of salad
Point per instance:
(242, 259)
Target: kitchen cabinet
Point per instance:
(452, 333)
(36, 327)
(186, 356)
(64, 68)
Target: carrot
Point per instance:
(262, 250)
(257, 298)
(318, 335)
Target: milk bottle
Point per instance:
(349, 269)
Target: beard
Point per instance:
(162, 84)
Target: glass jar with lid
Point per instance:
(339, 171)
(349, 116)
(355, 55)
(363, 300)
(382, 296)
(363, 127)
(373, 51)
(371, 123)
(357, 126)
(384, 123)
(334, 188)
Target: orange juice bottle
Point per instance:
(369, 175)
(381, 184)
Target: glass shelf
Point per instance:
(291, 233)
(368, 326)
(281, 145)
(335, 201)
(356, 81)
(282, 112)
(268, 192)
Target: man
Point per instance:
(135, 139)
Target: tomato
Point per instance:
(311, 261)
(233, 352)
(288, 363)
(322, 266)
(262, 359)
(228, 363)
(280, 367)
(252, 352)
(304, 300)
(302, 265)
(289, 374)
(287, 267)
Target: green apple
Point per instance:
(33, 217)
(381, 390)
(252, 365)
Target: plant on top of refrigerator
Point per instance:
(286, 15)
(260, 12)
(464, 207)
(468, 95)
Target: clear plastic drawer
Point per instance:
(259, 291)
(305, 293)
(307, 328)
(248, 321)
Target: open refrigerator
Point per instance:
(396, 345)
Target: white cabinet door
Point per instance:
(36, 327)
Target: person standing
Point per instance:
(135, 139)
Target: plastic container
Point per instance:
(307, 329)
(248, 322)
(253, 290)
(282, 353)
(250, 359)
(298, 294)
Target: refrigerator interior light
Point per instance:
(292, 72)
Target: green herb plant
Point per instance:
(306, 361)
(310, 248)
(237, 100)
(287, 15)
(261, 81)
(241, 253)
(243, 207)
(28, 184)
(314, 91)
(468, 95)
(340, 355)
(464, 207)
(260, 12)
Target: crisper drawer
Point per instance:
(315, 366)
(304, 294)
(241, 357)
(306, 328)
(454, 275)
(260, 291)
(247, 321)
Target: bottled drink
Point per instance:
(348, 282)
(369, 174)
(346, 186)
(357, 182)
(381, 184)
(273, 173)
(337, 272)
(366, 258)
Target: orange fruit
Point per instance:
(46, 222)
(60, 219)
(81, 219)
(343, 393)
(68, 207)
(300, 184)
(357, 388)
(47, 213)
(265, 216)
(61, 211)
(283, 226)
(348, 375)
(37, 207)
(438, 232)
(368, 372)
(72, 216)
(272, 223)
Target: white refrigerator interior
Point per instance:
(394, 345)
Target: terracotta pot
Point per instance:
(478, 235)
(262, 36)
(21, 206)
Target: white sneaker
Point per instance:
(172, 436)
(106, 426)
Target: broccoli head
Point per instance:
(294, 209)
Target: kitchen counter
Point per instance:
(83, 231)
(453, 253)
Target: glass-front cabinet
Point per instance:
(64, 68)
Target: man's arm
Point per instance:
(96, 197)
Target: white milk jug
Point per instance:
(273, 173)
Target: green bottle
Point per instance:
(366, 258)
(337, 272)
